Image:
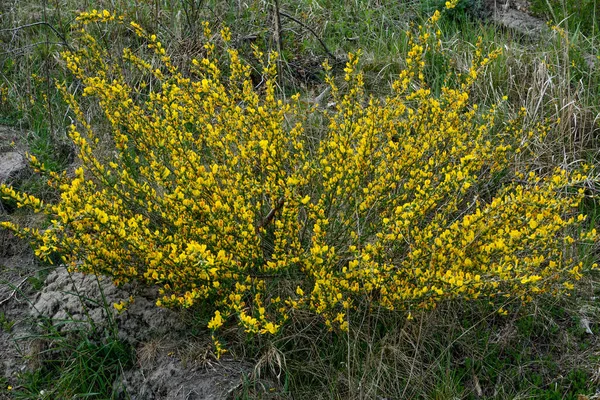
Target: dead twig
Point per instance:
(14, 292)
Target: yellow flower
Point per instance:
(305, 199)
(270, 328)
(216, 321)
(120, 307)
(451, 4)
(533, 224)
(226, 34)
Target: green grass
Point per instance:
(80, 362)
(88, 369)
(580, 15)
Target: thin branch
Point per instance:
(187, 17)
(277, 33)
(329, 53)
(56, 32)
(270, 215)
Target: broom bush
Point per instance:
(215, 190)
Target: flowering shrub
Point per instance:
(213, 191)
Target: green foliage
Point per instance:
(5, 323)
(582, 15)
(74, 364)
(37, 281)
(463, 9)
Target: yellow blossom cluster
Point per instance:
(214, 192)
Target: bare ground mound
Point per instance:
(168, 362)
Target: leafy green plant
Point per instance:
(460, 10)
(459, 349)
(6, 323)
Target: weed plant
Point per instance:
(74, 365)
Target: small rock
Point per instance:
(585, 324)
(80, 297)
(172, 380)
(520, 22)
(11, 163)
